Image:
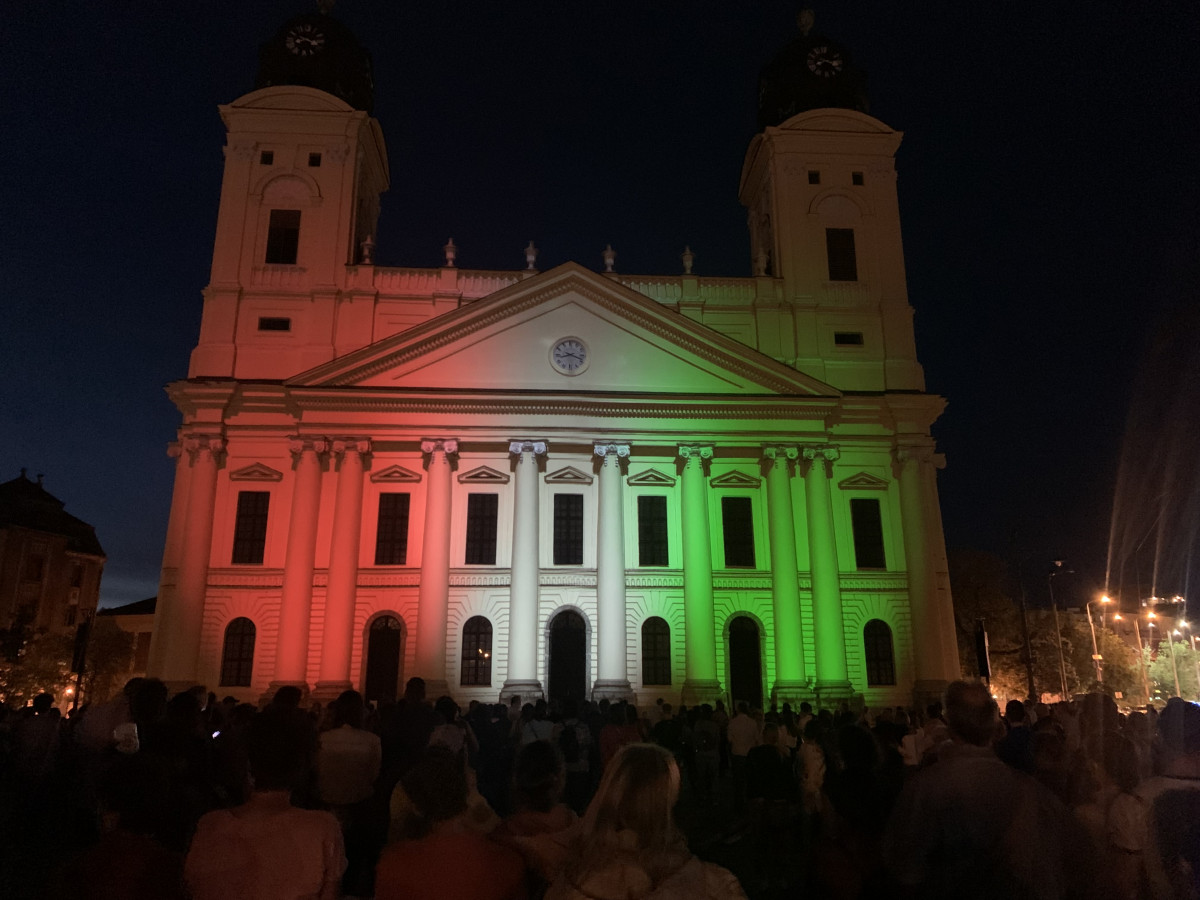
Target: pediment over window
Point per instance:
(569, 475)
(395, 475)
(651, 478)
(256, 472)
(863, 481)
(483, 475)
(735, 479)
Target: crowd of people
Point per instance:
(158, 796)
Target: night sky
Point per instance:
(1048, 190)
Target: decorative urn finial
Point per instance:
(531, 254)
(367, 257)
(451, 253)
(610, 258)
(688, 258)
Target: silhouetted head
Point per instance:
(1014, 712)
(437, 786)
(538, 776)
(288, 697)
(414, 690)
(349, 709)
(971, 713)
(42, 702)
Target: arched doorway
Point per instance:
(745, 663)
(385, 640)
(567, 671)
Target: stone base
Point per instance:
(928, 690)
(528, 691)
(699, 691)
(793, 692)
(274, 686)
(831, 694)
(612, 689)
(435, 688)
(327, 691)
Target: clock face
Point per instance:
(305, 39)
(825, 62)
(569, 356)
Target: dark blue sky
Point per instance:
(1048, 190)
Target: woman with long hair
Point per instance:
(628, 845)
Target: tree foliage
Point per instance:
(1161, 670)
(43, 663)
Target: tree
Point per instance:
(43, 663)
(1162, 672)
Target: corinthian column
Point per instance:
(935, 653)
(833, 680)
(176, 642)
(434, 592)
(613, 672)
(523, 591)
(295, 608)
(700, 649)
(338, 639)
(791, 680)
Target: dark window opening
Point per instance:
(856, 178)
(482, 510)
(71, 614)
(34, 568)
(314, 160)
(237, 657)
(283, 237)
(848, 338)
(656, 651)
(250, 528)
(391, 530)
(839, 245)
(266, 158)
(76, 575)
(866, 521)
(568, 529)
(880, 657)
(814, 177)
(274, 323)
(737, 525)
(477, 653)
(652, 531)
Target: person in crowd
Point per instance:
(629, 848)
(442, 854)
(622, 729)
(451, 731)
(574, 742)
(1016, 747)
(268, 849)
(538, 726)
(968, 825)
(743, 734)
(543, 827)
(706, 741)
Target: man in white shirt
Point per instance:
(743, 735)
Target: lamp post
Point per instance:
(1062, 666)
(1174, 667)
(1096, 657)
(1137, 634)
(1195, 659)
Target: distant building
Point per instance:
(136, 619)
(565, 483)
(50, 561)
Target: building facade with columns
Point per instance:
(564, 483)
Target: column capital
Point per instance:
(920, 454)
(814, 452)
(537, 448)
(444, 445)
(781, 452)
(174, 449)
(617, 451)
(193, 444)
(298, 443)
(344, 445)
(691, 451)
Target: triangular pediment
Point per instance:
(651, 478)
(256, 472)
(483, 475)
(505, 342)
(735, 479)
(863, 481)
(395, 475)
(569, 475)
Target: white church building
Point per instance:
(560, 483)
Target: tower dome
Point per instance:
(316, 50)
(811, 72)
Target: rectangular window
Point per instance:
(652, 531)
(250, 528)
(737, 525)
(867, 524)
(266, 158)
(839, 245)
(482, 511)
(314, 160)
(568, 529)
(848, 338)
(391, 531)
(274, 323)
(814, 177)
(856, 178)
(34, 568)
(283, 237)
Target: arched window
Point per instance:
(881, 658)
(237, 657)
(656, 651)
(476, 652)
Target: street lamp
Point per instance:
(1137, 635)
(1096, 657)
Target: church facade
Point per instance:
(560, 483)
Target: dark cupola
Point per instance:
(811, 72)
(316, 50)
